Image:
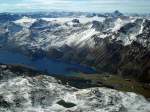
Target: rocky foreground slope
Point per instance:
(24, 90)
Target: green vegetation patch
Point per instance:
(117, 82)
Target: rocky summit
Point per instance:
(25, 90)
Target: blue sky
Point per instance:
(126, 6)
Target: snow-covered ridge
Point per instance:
(82, 19)
(78, 32)
(42, 94)
(57, 32)
(25, 21)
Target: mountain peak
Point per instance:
(117, 13)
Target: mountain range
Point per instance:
(111, 42)
(108, 43)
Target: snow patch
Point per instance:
(25, 21)
(82, 19)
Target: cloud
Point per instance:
(76, 5)
(47, 2)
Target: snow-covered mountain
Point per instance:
(46, 33)
(24, 91)
(110, 42)
(97, 40)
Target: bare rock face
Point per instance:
(41, 93)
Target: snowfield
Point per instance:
(25, 21)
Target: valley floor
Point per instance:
(110, 81)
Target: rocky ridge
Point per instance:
(26, 90)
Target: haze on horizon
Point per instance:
(125, 6)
